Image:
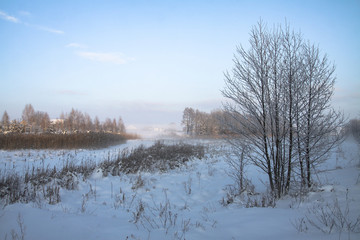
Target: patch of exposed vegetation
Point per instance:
(45, 183)
(61, 141)
(157, 157)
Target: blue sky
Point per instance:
(148, 60)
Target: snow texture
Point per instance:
(184, 203)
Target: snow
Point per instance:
(184, 203)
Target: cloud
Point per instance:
(25, 13)
(115, 58)
(75, 45)
(50, 30)
(9, 18)
(46, 29)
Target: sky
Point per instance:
(147, 60)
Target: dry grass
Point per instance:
(61, 141)
(41, 183)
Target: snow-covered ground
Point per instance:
(181, 204)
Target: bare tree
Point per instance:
(108, 125)
(114, 126)
(121, 126)
(75, 121)
(279, 92)
(249, 90)
(197, 123)
(353, 128)
(88, 122)
(321, 129)
(36, 120)
(5, 121)
(237, 162)
(188, 120)
(97, 124)
(200, 123)
(28, 114)
(41, 120)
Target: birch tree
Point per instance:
(5, 121)
(121, 125)
(321, 128)
(188, 120)
(28, 114)
(279, 93)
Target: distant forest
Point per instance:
(72, 130)
(199, 123)
(74, 122)
(218, 122)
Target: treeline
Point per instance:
(72, 130)
(198, 123)
(219, 122)
(353, 128)
(74, 122)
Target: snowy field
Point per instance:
(185, 203)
